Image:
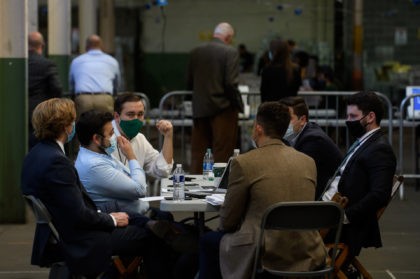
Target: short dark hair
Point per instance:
(125, 98)
(91, 122)
(297, 104)
(274, 118)
(367, 101)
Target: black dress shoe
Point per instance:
(352, 273)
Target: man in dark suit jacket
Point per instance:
(213, 76)
(88, 237)
(43, 82)
(309, 138)
(366, 174)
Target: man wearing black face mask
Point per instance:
(366, 173)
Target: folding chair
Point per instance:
(343, 248)
(398, 181)
(59, 269)
(299, 216)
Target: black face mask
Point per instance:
(356, 128)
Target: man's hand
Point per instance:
(126, 148)
(121, 218)
(165, 127)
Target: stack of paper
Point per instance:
(216, 199)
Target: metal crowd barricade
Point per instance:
(172, 106)
(410, 122)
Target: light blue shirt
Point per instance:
(106, 179)
(94, 71)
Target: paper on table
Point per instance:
(216, 199)
(155, 198)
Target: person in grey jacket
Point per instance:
(213, 77)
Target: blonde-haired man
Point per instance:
(88, 237)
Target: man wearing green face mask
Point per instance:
(128, 121)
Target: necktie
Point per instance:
(349, 152)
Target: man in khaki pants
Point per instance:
(94, 78)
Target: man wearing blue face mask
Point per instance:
(105, 178)
(128, 120)
(309, 138)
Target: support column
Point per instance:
(107, 25)
(13, 107)
(59, 46)
(32, 16)
(87, 21)
(358, 45)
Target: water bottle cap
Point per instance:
(178, 165)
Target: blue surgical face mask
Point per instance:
(113, 145)
(289, 131)
(72, 133)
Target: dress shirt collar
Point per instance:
(95, 51)
(61, 144)
(367, 135)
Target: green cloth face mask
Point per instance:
(131, 127)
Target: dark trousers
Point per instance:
(209, 255)
(218, 132)
(135, 241)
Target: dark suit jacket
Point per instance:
(43, 84)
(367, 182)
(274, 83)
(85, 234)
(213, 75)
(315, 143)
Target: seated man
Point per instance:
(89, 237)
(309, 138)
(259, 178)
(105, 178)
(128, 121)
(365, 176)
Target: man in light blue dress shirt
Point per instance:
(94, 78)
(105, 178)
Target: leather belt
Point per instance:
(93, 93)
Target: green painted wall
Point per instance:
(13, 142)
(162, 73)
(63, 64)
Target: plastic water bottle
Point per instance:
(208, 162)
(179, 183)
(235, 152)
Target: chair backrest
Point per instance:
(300, 216)
(41, 213)
(397, 182)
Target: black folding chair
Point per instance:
(59, 270)
(299, 216)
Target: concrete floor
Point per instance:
(399, 258)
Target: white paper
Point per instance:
(216, 199)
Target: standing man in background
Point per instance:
(94, 78)
(213, 77)
(43, 82)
